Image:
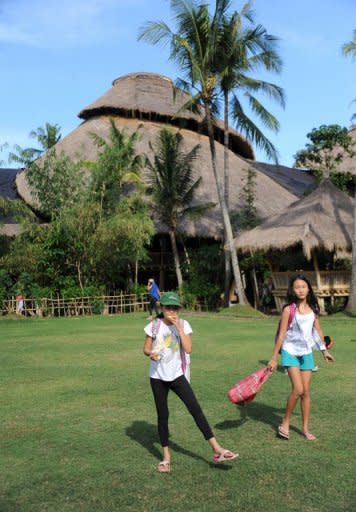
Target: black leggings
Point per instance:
(182, 388)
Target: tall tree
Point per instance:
(330, 144)
(245, 50)
(173, 186)
(193, 47)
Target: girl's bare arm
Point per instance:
(326, 354)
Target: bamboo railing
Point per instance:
(80, 306)
(77, 306)
(325, 283)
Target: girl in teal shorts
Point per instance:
(296, 340)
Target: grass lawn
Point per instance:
(78, 426)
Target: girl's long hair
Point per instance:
(311, 298)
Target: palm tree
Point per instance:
(173, 186)
(193, 48)
(349, 49)
(117, 165)
(242, 51)
(47, 137)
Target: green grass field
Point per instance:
(78, 426)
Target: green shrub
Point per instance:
(97, 306)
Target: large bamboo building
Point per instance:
(148, 102)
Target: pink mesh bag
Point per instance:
(246, 389)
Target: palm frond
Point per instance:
(197, 211)
(252, 132)
(268, 119)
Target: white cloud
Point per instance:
(64, 24)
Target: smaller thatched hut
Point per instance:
(323, 220)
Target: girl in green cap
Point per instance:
(168, 344)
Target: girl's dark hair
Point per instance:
(311, 298)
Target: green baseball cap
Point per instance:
(170, 299)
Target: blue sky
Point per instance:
(57, 57)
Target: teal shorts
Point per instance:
(304, 363)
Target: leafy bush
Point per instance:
(338, 305)
(138, 289)
(97, 306)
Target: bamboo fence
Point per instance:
(80, 306)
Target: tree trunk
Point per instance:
(172, 236)
(227, 281)
(227, 253)
(136, 272)
(225, 214)
(79, 273)
(351, 303)
(256, 295)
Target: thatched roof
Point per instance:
(323, 219)
(349, 163)
(271, 197)
(8, 183)
(153, 97)
(10, 229)
(297, 181)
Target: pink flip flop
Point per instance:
(164, 467)
(309, 437)
(282, 434)
(225, 456)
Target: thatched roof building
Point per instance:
(148, 102)
(296, 181)
(8, 183)
(321, 220)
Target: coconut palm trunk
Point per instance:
(224, 211)
(351, 303)
(172, 236)
(227, 253)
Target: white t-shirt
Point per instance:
(169, 367)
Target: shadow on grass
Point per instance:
(146, 435)
(254, 411)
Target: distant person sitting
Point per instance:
(153, 295)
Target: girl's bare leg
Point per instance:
(297, 391)
(305, 400)
(166, 454)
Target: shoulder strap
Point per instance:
(155, 327)
(292, 312)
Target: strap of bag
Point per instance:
(292, 311)
(183, 357)
(155, 328)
